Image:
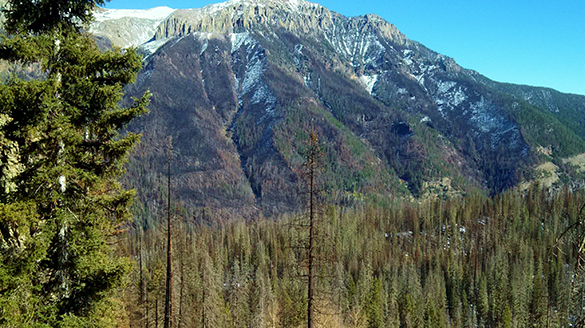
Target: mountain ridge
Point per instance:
(395, 117)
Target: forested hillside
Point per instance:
(475, 261)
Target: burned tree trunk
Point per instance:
(169, 290)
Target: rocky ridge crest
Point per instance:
(237, 83)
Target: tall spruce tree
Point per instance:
(61, 155)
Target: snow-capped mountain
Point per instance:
(237, 85)
(129, 28)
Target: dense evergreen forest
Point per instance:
(508, 261)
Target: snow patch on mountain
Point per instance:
(128, 27)
(152, 46)
(294, 4)
(369, 82)
(420, 78)
(217, 7)
(483, 116)
(263, 95)
(407, 57)
(252, 83)
(156, 14)
(203, 38)
(359, 47)
(253, 76)
(239, 39)
(445, 86)
(458, 97)
(449, 96)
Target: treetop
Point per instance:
(40, 16)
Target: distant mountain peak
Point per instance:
(239, 4)
(233, 16)
(129, 27)
(156, 13)
(294, 4)
(242, 78)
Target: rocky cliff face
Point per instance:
(239, 84)
(300, 16)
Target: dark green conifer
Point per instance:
(483, 302)
(538, 305)
(507, 317)
(373, 305)
(60, 201)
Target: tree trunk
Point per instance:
(142, 283)
(312, 163)
(169, 292)
(182, 286)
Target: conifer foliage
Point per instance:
(474, 261)
(61, 155)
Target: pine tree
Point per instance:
(239, 294)
(507, 317)
(432, 316)
(211, 300)
(60, 201)
(538, 305)
(373, 305)
(483, 302)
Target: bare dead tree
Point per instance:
(169, 290)
(143, 298)
(181, 273)
(310, 173)
(311, 166)
(575, 234)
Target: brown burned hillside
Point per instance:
(238, 85)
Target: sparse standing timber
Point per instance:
(203, 314)
(142, 282)
(169, 293)
(182, 285)
(312, 166)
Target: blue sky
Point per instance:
(538, 42)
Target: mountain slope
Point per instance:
(239, 84)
